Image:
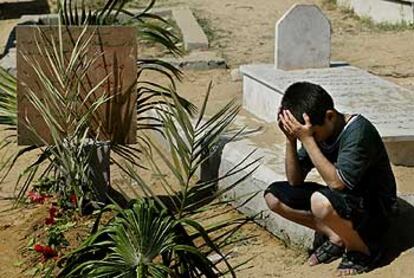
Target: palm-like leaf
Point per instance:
(185, 201)
(192, 143)
(8, 99)
(132, 245)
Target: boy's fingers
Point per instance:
(285, 124)
(288, 122)
(307, 119)
(279, 114)
(291, 117)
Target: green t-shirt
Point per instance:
(361, 162)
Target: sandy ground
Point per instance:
(242, 32)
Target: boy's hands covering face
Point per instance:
(293, 128)
(288, 135)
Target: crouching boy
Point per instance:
(352, 208)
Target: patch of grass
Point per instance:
(330, 4)
(327, 5)
(217, 38)
(385, 26)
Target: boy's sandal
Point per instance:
(326, 253)
(353, 263)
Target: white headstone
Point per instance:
(303, 39)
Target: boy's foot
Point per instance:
(326, 253)
(353, 263)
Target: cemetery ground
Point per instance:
(242, 32)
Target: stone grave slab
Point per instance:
(386, 104)
(115, 51)
(303, 39)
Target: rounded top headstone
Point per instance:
(303, 39)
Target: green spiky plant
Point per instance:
(61, 103)
(161, 235)
(8, 101)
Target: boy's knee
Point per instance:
(273, 202)
(320, 205)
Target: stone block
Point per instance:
(193, 35)
(401, 152)
(199, 60)
(8, 62)
(270, 170)
(260, 99)
(303, 39)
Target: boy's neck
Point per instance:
(340, 123)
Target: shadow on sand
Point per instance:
(399, 236)
(16, 9)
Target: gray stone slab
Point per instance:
(389, 106)
(193, 35)
(199, 60)
(271, 170)
(303, 39)
(8, 62)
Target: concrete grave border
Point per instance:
(382, 11)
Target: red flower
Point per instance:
(47, 251)
(50, 221)
(73, 199)
(52, 214)
(52, 211)
(36, 197)
(38, 248)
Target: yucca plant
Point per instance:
(67, 107)
(117, 250)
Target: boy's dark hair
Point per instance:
(309, 98)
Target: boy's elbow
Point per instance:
(338, 185)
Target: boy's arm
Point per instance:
(293, 170)
(325, 168)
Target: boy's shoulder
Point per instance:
(361, 128)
